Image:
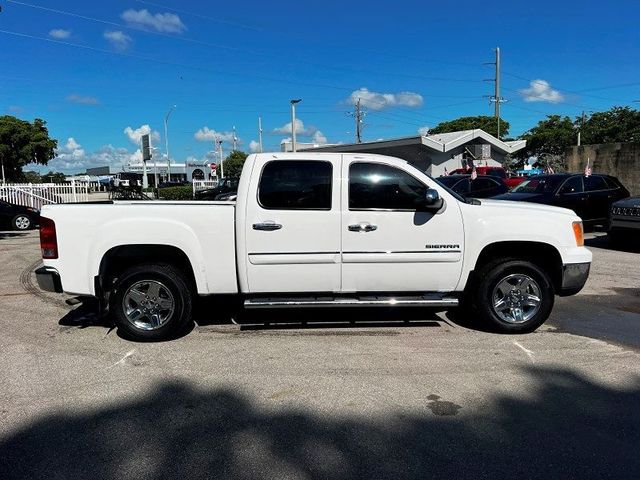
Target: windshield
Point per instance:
(447, 181)
(539, 184)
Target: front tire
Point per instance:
(513, 296)
(21, 222)
(151, 302)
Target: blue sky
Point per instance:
(100, 73)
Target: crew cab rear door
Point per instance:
(292, 225)
(387, 243)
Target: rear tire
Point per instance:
(21, 222)
(151, 302)
(513, 296)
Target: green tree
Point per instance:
(620, 124)
(483, 122)
(21, 143)
(233, 164)
(550, 136)
(54, 177)
(31, 177)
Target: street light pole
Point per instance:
(166, 140)
(293, 123)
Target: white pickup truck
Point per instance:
(316, 230)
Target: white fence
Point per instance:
(35, 195)
(202, 184)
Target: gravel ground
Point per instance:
(410, 394)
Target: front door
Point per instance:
(388, 244)
(571, 195)
(292, 226)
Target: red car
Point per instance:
(493, 172)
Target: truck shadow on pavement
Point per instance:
(604, 242)
(566, 426)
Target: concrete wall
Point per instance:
(622, 160)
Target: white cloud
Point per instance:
(118, 39)
(423, 130)
(541, 91)
(206, 134)
(254, 147)
(60, 33)
(380, 101)
(136, 134)
(300, 129)
(72, 158)
(319, 137)
(160, 22)
(82, 99)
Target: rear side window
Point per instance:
(296, 185)
(378, 186)
(593, 183)
(496, 172)
(611, 183)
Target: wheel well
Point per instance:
(120, 258)
(543, 255)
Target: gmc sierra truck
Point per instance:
(316, 230)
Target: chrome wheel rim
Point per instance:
(148, 304)
(516, 298)
(22, 222)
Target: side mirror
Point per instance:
(432, 200)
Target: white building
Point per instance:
(189, 171)
(433, 153)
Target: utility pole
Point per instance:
(260, 132)
(584, 119)
(166, 140)
(219, 143)
(496, 99)
(293, 123)
(358, 114)
(235, 139)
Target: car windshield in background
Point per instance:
(539, 184)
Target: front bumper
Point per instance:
(574, 276)
(49, 279)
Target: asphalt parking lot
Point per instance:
(408, 394)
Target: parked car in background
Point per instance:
(589, 197)
(624, 220)
(225, 185)
(18, 217)
(484, 186)
(227, 197)
(499, 172)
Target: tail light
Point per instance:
(48, 240)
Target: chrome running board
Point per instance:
(360, 301)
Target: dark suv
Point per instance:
(589, 197)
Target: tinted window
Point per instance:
(482, 184)
(573, 185)
(373, 185)
(611, 183)
(539, 184)
(593, 183)
(296, 185)
(462, 187)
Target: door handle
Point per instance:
(267, 226)
(362, 227)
